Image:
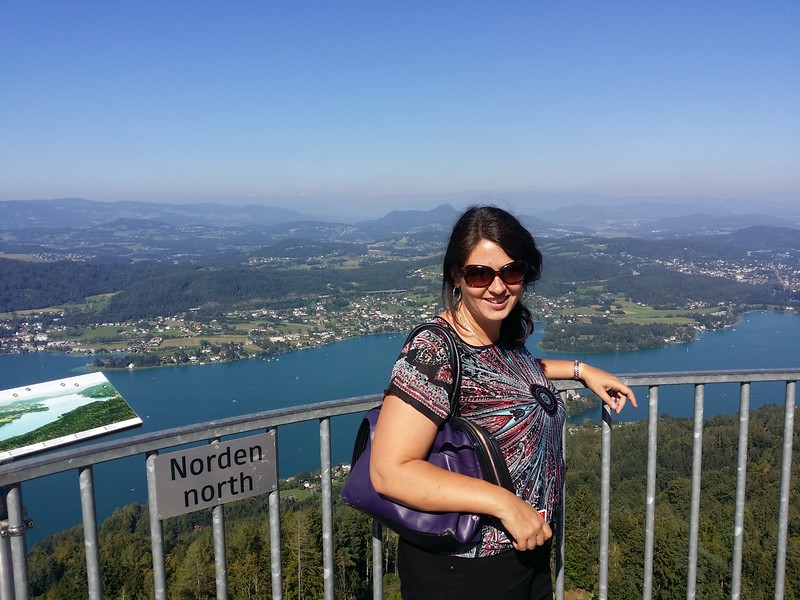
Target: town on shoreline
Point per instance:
(181, 339)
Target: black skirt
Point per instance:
(510, 575)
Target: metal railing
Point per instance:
(14, 583)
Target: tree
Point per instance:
(194, 577)
(249, 561)
(302, 571)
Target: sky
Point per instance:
(367, 105)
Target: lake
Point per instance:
(173, 396)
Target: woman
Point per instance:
(490, 260)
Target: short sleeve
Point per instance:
(422, 375)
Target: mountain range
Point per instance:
(649, 217)
(61, 228)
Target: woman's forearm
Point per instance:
(607, 386)
(426, 487)
(561, 369)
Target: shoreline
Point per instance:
(317, 343)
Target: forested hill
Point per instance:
(147, 290)
(730, 246)
(57, 568)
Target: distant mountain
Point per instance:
(79, 213)
(734, 246)
(61, 223)
(442, 218)
(598, 215)
(199, 233)
(403, 221)
(701, 223)
(760, 237)
(660, 219)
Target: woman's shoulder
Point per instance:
(469, 345)
(436, 333)
(435, 329)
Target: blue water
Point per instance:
(173, 396)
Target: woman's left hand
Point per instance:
(608, 387)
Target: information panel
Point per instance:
(45, 415)
(215, 474)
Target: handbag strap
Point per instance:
(490, 456)
(455, 361)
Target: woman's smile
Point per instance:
(497, 302)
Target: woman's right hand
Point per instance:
(523, 523)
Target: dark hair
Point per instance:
(505, 230)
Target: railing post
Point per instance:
(786, 480)
(6, 569)
(12, 525)
(90, 542)
(274, 504)
(377, 560)
(156, 532)
(220, 554)
(650, 508)
(694, 510)
(741, 489)
(327, 506)
(605, 501)
(559, 548)
(19, 551)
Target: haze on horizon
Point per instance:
(360, 108)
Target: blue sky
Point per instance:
(359, 106)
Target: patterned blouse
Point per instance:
(505, 391)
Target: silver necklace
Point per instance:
(464, 325)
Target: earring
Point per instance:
(456, 296)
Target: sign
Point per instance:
(215, 474)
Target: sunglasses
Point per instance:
(479, 276)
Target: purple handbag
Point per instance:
(460, 446)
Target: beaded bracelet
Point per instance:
(576, 370)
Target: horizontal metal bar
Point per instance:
(696, 377)
(40, 465)
(712, 377)
(47, 464)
